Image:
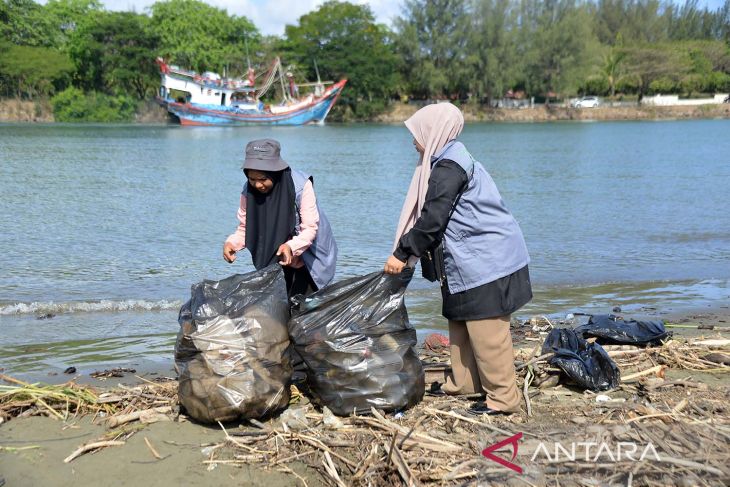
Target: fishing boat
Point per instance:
(209, 99)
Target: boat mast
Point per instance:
(319, 87)
(316, 69)
(248, 58)
(281, 78)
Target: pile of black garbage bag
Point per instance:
(614, 330)
(358, 345)
(231, 352)
(233, 349)
(588, 364)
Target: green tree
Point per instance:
(345, 41)
(73, 105)
(195, 35)
(492, 49)
(27, 24)
(722, 22)
(689, 21)
(560, 48)
(612, 68)
(69, 15)
(636, 21)
(116, 54)
(432, 42)
(4, 18)
(650, 63)
(30, 71)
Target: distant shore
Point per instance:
(401, 111)
(40, 111)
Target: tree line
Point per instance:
(96, 64)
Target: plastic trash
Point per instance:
(358, 345)
(295, 419)
(436, 342)
(587, 364)
(610, 329)
(330, 420)
(231, 350)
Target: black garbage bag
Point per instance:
(587, 364)
(231, 350)
(611, 330)
(358, 345)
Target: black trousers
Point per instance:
(299, 281)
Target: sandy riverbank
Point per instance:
(683, 412)
(41, 111)
(401, 111)
(12, 110)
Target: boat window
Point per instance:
(223, 99)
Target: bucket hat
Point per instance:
(264, 155)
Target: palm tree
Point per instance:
(611, 68)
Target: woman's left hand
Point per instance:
(393, 265)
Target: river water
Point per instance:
(106, 227)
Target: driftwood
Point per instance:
(91, 446)
(658, 370)
(145, 415)
(152, 449)
(438, 442)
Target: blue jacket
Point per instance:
(321, 257)
(482, 241)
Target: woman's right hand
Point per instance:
(229, 253)
(393, 265)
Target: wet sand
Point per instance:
(179, 444)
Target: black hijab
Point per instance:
(270, 218)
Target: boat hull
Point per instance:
(210, 115)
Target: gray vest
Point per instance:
(482, 241)
(321, 257)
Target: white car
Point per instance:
(587, 102)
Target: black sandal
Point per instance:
(479, 408)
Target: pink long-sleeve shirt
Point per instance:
(309, 223)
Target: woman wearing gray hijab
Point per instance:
(455, 222)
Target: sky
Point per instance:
(271, 16)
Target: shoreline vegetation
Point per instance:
(41, 111)
(96, 65)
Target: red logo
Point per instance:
(512, 440)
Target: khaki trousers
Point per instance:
(482, 360)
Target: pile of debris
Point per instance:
(667, 422)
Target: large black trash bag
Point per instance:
(231, 351)
(587, 364)
(358, 345)
(611, 330)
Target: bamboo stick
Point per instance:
(91, 446)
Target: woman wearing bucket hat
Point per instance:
(280, 221)
(455, 221)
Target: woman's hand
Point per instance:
(393, 265)
(229, 253)
(285, 254)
